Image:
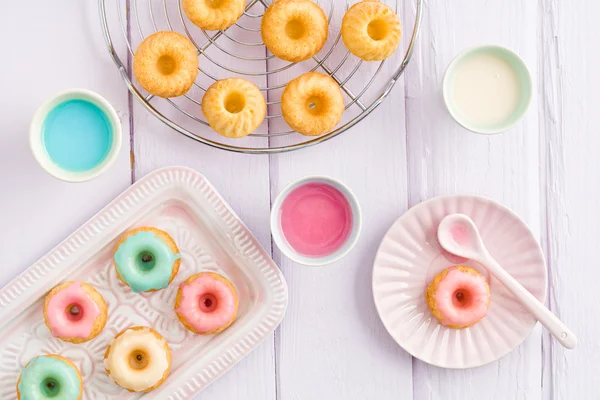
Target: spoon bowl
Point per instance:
(459, 236)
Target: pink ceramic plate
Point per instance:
(410, 256)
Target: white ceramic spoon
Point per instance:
(458, 235)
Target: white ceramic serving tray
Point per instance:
(211, 238)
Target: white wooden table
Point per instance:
(331, 344)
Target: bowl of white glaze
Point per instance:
(487, 89)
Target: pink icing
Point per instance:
(462, 298)
(316, 219)
(65, 324)
(462, 235)
(459, 233)
(207, 303)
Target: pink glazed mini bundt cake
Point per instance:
(206, 303)
(458, 297)
(75, 312)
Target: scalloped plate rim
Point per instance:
(424, 203)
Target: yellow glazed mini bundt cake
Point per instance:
(294, 30)
(166, 64)
(234, 107)
(312, 104)
(213, 14)
(371, 30)
(138, 359)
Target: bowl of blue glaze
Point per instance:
(76, 135)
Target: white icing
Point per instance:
(117, 361)
(486, 89)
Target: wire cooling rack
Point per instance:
(240, 52)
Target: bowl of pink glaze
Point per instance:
(315, 221)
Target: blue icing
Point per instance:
(145, 262)
(77, 135)
(49, 378)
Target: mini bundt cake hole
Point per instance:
(166, 65)
(234, 102)
(295, 29)
(462, 298)
(378, 29)
(146, 261)
(74, 312)
(315, 105)
(208, 302)
(215, 3)
(138, 359)
(50, 387)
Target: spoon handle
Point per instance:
(531, 303)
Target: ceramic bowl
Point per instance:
(283, 245)
(36, 141)
(518, 66)
(410, 256)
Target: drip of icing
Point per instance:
(62, 322)
(198, 314)
(131, 267)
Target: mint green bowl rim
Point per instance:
(526, 89)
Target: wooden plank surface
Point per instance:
(571, 169)
(44, 56)
(331, 344)
(444, 158)
(242, 180)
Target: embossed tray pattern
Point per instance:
(211, 238)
